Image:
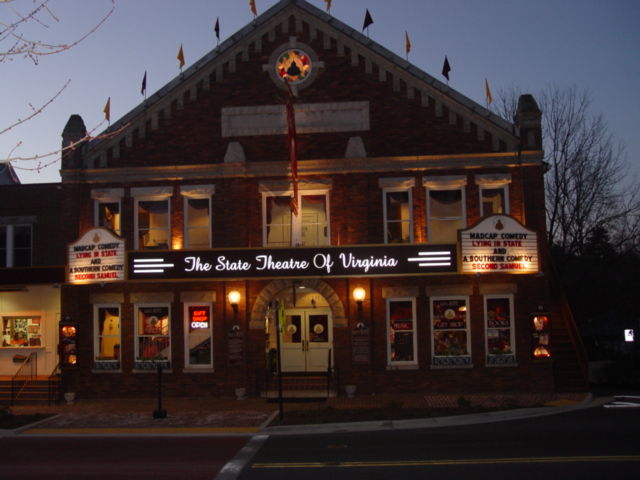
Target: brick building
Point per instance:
(416, 260)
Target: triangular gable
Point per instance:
(222, 60)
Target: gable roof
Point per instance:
(224, 57)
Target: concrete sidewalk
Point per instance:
(252, 415)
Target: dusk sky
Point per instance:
(593, 44)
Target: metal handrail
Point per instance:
(32, 361)
(54, 392)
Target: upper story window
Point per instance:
(197, 215)
(107, 208)
(152, 217)
(446, 212)
(309, 228)
(494, 193)
(15, 245)
(398, 209)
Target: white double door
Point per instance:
(307, 340)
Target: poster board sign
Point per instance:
(235, 348)
(361, 346)
(97, 256)
(499, 244)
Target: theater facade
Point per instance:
(405, 253)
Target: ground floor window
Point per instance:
(107, 337)
(21, 331)
(198, 339)
(153, 336)
(450, 331)
(401, 332)
(499, 327)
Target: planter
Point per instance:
(69, 397)
(240, 393)
(351, 390)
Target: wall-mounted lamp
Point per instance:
(359, 295)
(234, 300)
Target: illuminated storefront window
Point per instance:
(198, 338)
(450, 324)
(153, 335)
(401, 332)
(21, 331)
(499, 329)
(107, 337)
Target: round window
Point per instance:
(294, 66)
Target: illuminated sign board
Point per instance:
(97, 256)
(407, 259)
(499, 244)
(199, 318)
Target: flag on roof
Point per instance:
(143, 90)
(446, 68)
(328, 5)
(107, 110)
(367, 20)
(407, 41)
(217, 28)
(253, 7)
(181, 57)
(489, 97)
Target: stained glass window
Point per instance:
(294, 66)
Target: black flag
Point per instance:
(217, 29)
(367, 20)
(446, 68)
(143, 90)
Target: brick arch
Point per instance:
(274, 288)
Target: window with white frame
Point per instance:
(107, 208)
(152, 217)
(498, 311)
(153, 333)
(397, 207)
(197, 215)
(310, 227)
(450, 331)
(402, 346)
(15, 245)
(107, 338)
(494, 194)
(446, 212)
(198, 335)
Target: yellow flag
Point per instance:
(328, 5)
(408, 43)
(181, 57)
(107, 110)
(486, 86)
(253, 6)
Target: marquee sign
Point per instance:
(499, 244)
(97, 256)
(405, 259)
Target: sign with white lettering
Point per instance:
(97, 256)
(340, 261)
(499, 244)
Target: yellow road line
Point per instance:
(471, 461)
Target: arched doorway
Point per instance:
(306, 342)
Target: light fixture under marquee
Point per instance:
(234, 300)
(359, 295)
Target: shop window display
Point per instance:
(107, 340)
(402, 334)
(21, 332)
(153, 338)
(450, 331)
(499, 324)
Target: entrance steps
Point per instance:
(35, 391)
(301, 385)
